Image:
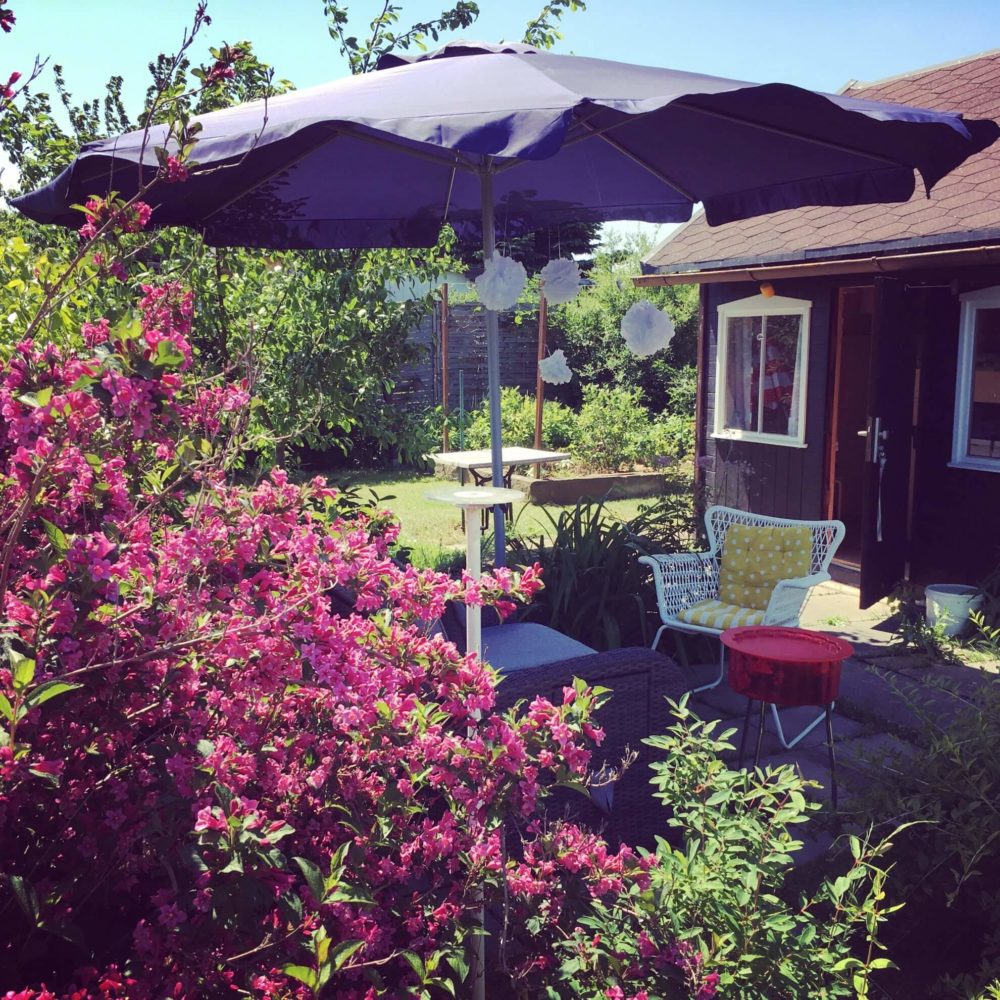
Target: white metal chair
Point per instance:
(688, 584)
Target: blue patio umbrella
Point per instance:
(483, 135)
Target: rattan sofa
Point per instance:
(642, 680)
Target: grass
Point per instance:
(432, 530)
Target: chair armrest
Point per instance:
(683, 579)
(788, 598)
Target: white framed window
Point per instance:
(976, 431)
(762, 370)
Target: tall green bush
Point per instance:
(609, 428)
(588, 329)
(517, 413)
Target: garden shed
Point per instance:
(849, 358)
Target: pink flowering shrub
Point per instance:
(210, 783)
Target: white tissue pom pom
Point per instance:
(561, 280)
(501, 283)
(554, 369)
(646, 329)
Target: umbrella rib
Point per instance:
(789, 134)
(453, 158)
(269, 176)
(657, 173)
(455, 162)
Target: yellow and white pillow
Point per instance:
(756, 557)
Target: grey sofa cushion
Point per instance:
(521, 645)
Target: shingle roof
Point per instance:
(964, 207)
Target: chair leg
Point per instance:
(743, 737)
(833, 756)
(656, 638)
(760, 735)
(718, 680)
(785, 742)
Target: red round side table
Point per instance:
(785, 667)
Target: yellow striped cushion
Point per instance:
(755, 557)
(718, 614)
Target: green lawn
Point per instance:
(431, 529)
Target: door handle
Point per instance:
(873, 434)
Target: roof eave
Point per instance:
(973, 237)
(986, 252)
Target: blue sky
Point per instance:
(820, 45)
(817, 44)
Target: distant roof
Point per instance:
(963, 208)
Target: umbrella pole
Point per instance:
(493, 369)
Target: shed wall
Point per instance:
(764, 478)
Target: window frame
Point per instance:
(972, 302)
(759, 305)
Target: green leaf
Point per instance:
(313, 877)
(26, 897)
(6, 709)
(303, 974)
(235, 865)
(57, 538)
(416, 963)
(167, 356)
(47, 691)
(23, 669)
(343, 952)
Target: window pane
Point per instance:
(780, 388)
(984, 413)
(743, 336)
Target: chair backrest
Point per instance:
(826, 535)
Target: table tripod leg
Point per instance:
(760, 735)
(833, 759)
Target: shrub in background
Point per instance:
(517, 412)
(610, 424)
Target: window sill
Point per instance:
(751, 438)
(977, 464)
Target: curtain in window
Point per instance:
(742, 350)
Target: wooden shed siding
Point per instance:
(956, 528)
(765, 478)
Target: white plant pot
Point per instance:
(950, 604)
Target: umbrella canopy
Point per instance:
(385, 158)
(471, 129)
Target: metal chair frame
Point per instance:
(683, 579)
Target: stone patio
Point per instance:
(873, 717)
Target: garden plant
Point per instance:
(235, 756)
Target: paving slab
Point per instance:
(793, 721)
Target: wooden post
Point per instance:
(444, 359)
(539, 384)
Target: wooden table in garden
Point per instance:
(479, 464)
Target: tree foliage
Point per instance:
(588, 329)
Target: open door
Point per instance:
(887, 439)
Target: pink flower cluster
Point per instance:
(123, 217)
(174, 171)
(7, 18)
(222, 68)
(7, 89)
(228, 767)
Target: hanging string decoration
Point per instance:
(646, 329)
(501, 283)
(554, 369)
(561, 280)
